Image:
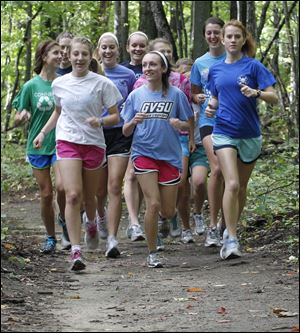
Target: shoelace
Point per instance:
(76, 255)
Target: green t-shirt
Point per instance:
(36, 97)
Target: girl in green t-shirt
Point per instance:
(35, 104)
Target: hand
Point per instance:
(175, 122)
(199, 98)
(210, 111)
(38, 141)
(247, 91)
(139, 118)
(93, 121)
(23, 116)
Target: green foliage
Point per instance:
(273, 191)
(16, 174)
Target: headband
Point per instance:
(139, 33)
(162, 56)
(109, 34)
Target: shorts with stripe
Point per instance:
(167, 173)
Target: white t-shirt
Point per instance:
(79, 99)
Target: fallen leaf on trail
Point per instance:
(284, 313)
(295, 329)
(278, 310)
(189, 306)
(130, 274)
(221, 310)
(194, 290)
(180, 299)
(75, 297)
(224, 321)
(250, 249)
(8, 246)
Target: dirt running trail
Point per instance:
(195, 292)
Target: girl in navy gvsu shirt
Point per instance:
(236, 85)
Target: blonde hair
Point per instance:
(84, 41)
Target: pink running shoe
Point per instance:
(77, 263)
(91, 237)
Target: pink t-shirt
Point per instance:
(176, 79)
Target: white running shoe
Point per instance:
(230, 249)
(199, 224)
(187, 236)
(112, 250)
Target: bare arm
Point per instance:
(112, 119)
(212, 107)
(22, 117)
(129, 127)
(268, 95)
(197, 95)
(51, 123)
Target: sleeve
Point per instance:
(195, 75)
(211, 86)
(23, 99)
(57, 100)
(264, 77)
(111, 95)
(185, 111)
(132, 82)
(128, 111)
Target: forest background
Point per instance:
(273, 190)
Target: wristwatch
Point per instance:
(258, 93)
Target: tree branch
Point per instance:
(277, 33)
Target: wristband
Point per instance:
(258, 93)
(100, 122)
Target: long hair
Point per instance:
(249, 48)
(165, 76)
(41, 51)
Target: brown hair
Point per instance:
(249, 48)
(212, 20)
(41, 51)
(64, 34)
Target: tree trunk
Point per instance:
(294, 95)
(202, 11)
(162, 24)
(179, 27)
(104, 13)
(122, 27)
(185, 43)
(242, 11)
(251, 18)
(233, 10)
(28, 44)
(146, 22)
(262, 20)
